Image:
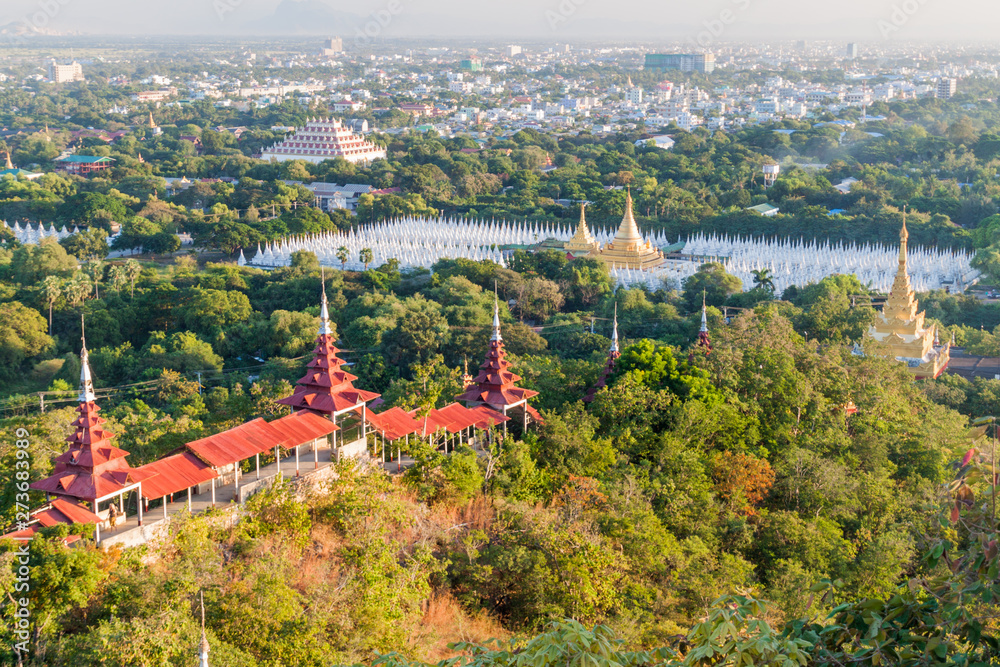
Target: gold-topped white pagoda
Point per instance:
(900, 328)
(583, 243)
(629, 249)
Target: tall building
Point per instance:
(472, 65)
(852, 51)
(946, 88)
(512, 50)
(65, 73)
(683, 62)
(899, 330)
(324, 140)
(332, 47)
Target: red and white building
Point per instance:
(324, 140)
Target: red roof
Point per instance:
(394, 423)
(488, 417)
(302, 427)
(237, 444)
(58, 511)
(460, 418)
(175, 473)
(432, 422)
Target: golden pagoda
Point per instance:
(583, 242)
(900, 328)
(629, 249)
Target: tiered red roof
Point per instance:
(496, 386)
(92, 467)
(326, 388)
(609, 365)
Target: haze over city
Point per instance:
(521, 19)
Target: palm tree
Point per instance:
(118, 277)
(132, 271)
(95, 269)
(52, 288)
(343, 254)
(77, 289)
(763, 279)
(365, 256)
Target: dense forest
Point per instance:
(778, 500)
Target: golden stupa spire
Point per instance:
(9, 165)
(151, 122)
(583, 242)
(629, 249)
(628, 230)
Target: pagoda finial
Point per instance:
(496, 316)
(86, 380)
(614, 331)
(704, 314)
(9, 165)
(904, 235)
(203, 649)
(152, 123)
(324, 310)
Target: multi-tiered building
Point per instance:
(629, 249)
(583, 243)
(496, 385)
(324, 140)
(899, 330)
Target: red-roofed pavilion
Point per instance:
(328, 390)
(496, 386)
(92, 470)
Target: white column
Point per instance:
(138, 502)
(277, 460)
(296, 460)
(316, 453)
(213, 492)
(164, 508)
(189, 499)
(257, 457)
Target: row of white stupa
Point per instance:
(797, 262)
(29, 235)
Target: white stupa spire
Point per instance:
(704, 315)
(614, 331)
(496, 318)
(203, 648)
(324, 311)
(86, 381)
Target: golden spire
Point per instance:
(9, 165)
(152, 124)
(583, 242)
(628, 231)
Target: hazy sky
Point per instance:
(559, 20)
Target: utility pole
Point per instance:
(198, 373)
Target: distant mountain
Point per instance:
(305, 17)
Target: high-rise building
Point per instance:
(512, 50)
(946, 88)
(852, 51)
(684, 62)
(65, 73)
(472, 65)
(332, 47)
